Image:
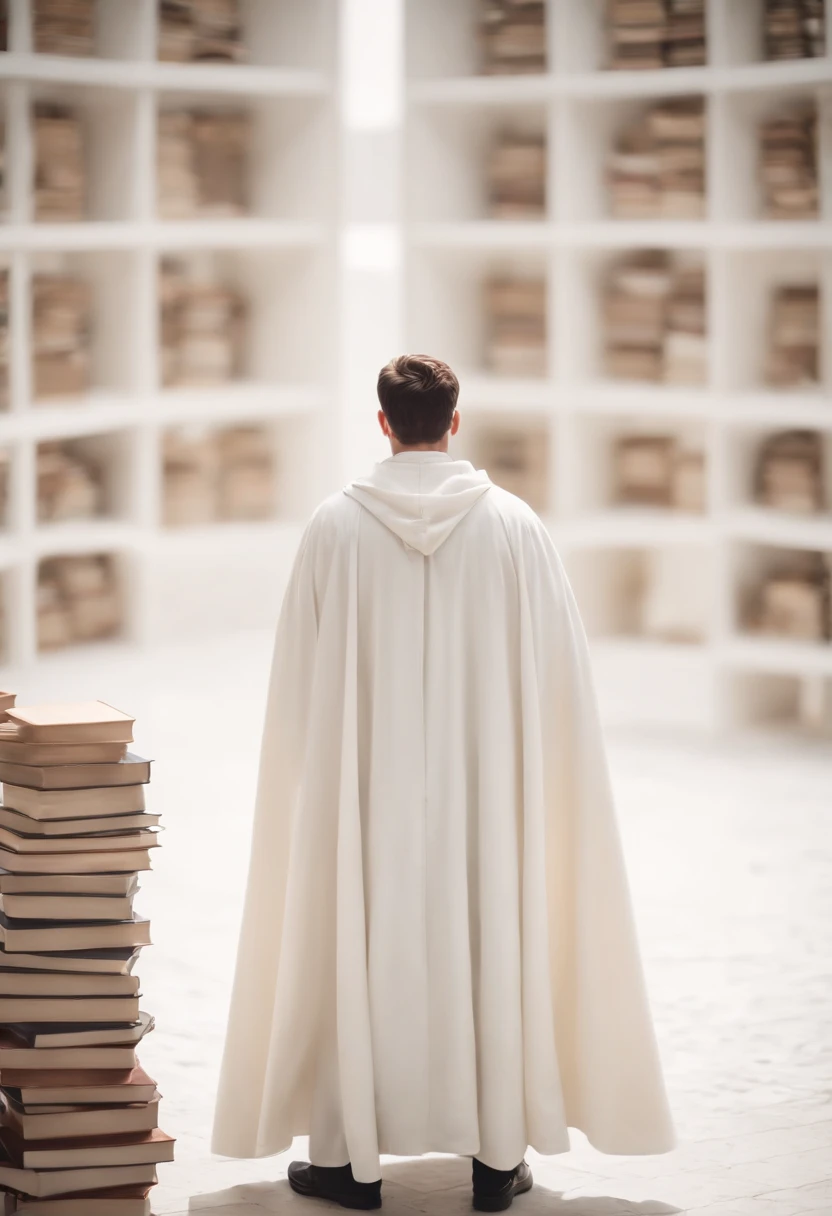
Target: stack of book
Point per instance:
(513, 36)
(202, 328)
(636, 31)
(790, 474)
(654, 320)
(685, 341)
(651, 34)
(789, 166)
(60, 185)
(792, 353)
(63, 27)
(79, 1127)
(218, 475)
(795, 29)
(69, 486)
(657, 167)
(195, 30)
(792, 600)
(634, 311)
(658, 471)
(517, 458)
(516, 177)
(78, 600)
(516, 326)
(176, 182)
(61, 325)
(686, 43)
(247, 481)
(4, 339)
(189, 477)
(202, 163)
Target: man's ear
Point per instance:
(455, 422)
(383, 423)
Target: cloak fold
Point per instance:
(437, 928)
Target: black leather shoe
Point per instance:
(334, 1183)
(494, 1190)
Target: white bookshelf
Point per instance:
(452, 246)
(282, 256)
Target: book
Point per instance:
(73, 1036)
(34, 935)
(90, 1087)
(68, 884)
(93, 842)
(105, 1121)
(16, 821)
(72, 804)
(63, 1009)
(12, 751)
(117, 1201)
(66, 907)
(43, 1183)
(66, 983)
(119, 1058)
(129, 770)
(72, 722)
(129, 862)
(107, 962)
(146, 1148)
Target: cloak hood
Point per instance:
(421, 496)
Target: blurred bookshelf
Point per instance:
(167, 328)
(619, 233)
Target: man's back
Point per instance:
(437, 951)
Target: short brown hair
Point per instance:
(418, 395)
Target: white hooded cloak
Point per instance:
(437, 927)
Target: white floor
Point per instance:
(730, 853)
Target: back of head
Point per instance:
(418, 395)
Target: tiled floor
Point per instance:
(730, 851)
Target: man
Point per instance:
(437, 952)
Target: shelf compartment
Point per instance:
(256, 470)
(752, 283)
(741, 195)
(637, 318)
(780, 700)
(634, 159)
(81, 598)
(635, 465)
(96, 28)
(83, 337)
(443, 39)
(488, 315)
(658, 594)
(95, 132)
(292, 34)
(274, 163)
(84, 478)
(452, 151)
(276, 300)
(744, 36)
(516, 451)
(781, 595)
(784, 472)
(219, 474)
(586, 43)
